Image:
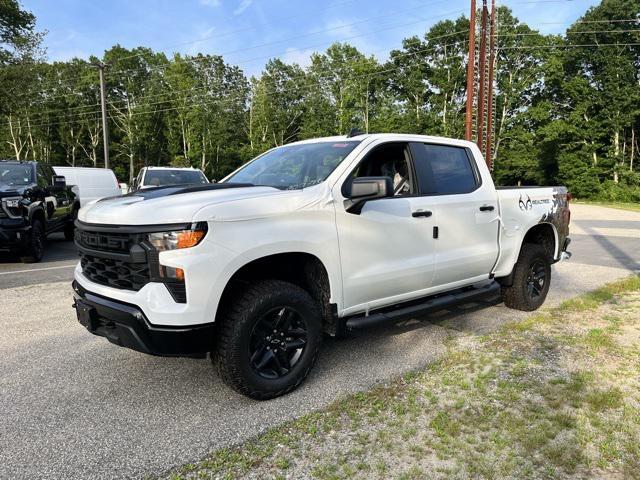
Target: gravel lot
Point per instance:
(75, 406)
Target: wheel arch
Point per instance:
(38, 213)
(303, 269)
(544, 234)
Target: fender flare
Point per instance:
(34, 208)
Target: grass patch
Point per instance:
(534, 399)
(598, 339)
(634, 207)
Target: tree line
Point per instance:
(567, 107)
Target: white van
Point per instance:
(92, 183)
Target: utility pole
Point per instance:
(492, 61)
(471, 73)
(105, 125)
(482, 82)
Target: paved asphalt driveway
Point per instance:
(74, 406)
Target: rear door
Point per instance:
(465, 213)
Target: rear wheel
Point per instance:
(269, 339)
(531, 278)
(35, 248)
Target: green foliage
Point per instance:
(566, 112)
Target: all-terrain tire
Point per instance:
(238, 324)
(528, 292)
(35, 247)
(69, 227)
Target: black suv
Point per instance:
(34, 202)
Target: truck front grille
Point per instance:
(122, 260)
(115, 273)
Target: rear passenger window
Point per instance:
(445, 170)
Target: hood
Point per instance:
(164, 205)
(12, 190)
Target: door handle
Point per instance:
(421, 213)
(487, 208)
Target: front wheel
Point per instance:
(69, 227)
(531, 278)
(269, 339)
(35, 248)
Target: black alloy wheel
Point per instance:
(268, 340)
(536, 279)
(531, 279)
(34, 250)
(277, 342)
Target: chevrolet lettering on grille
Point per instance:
(97, 241)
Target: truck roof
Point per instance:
(18, 161)
(406, 137)
(170, 168)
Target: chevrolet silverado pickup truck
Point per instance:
(315, 237)
(34, 202)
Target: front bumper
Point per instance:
(14, 234)
(126, 325)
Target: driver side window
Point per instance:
(389, 160)
(43, 179)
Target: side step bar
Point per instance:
(424, 306)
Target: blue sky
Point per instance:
(248, 32)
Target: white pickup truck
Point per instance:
(311, 238)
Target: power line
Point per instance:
(317, 32)
(306, 47)
(586, 32)
(308, 74)
(569, 45)
(325, 43)
(201, 59)
(246, 29)
(306, 80)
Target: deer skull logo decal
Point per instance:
(525, 206)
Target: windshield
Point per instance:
(160, 178)
(15, 174)
(295, 166)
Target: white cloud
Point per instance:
(204, 34)
(210, 3)
(64, 55)
(340, 28)
(301, 57)
(343, 31)
(244, 4)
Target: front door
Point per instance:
(56, 203)
(387, 250)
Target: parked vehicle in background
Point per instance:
(92, 183)
(34, 202)
(314, 237)
(150, 177)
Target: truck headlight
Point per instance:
(11, 206)
(178, 239)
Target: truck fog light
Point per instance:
(172, 273)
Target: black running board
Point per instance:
(424, 306)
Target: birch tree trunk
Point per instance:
(633, 150)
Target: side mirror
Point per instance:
(360, 190)
(59, 183)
